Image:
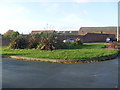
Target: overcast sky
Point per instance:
(27, 15)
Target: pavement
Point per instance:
(35, 74)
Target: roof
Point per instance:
(68, 32)
(98, 29)
(37, 31)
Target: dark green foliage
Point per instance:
(58, 43)
(72, 44)
(42, 34)
(36, 35)
(20, 42)
(68, 45)
(12, 34)
(32, 42)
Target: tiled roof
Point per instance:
(107, 30)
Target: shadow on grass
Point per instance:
(16, 54)
(84, 46)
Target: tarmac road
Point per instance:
(33, 74)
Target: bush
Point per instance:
(112, 45)
(47, 42)
(32, 42)
(72, 44)
(36, 35)
(78, 41)
(66, 45)
(20, 42)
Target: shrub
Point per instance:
(67, 45)
(78, 41)
(58, 43)
(72, 44)
(20, 42)
(47, 42)
(32, 42)
(36, 35)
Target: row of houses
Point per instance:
(83, 31)
(87, 34)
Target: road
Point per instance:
(33, 74)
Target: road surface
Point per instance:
(34, 74)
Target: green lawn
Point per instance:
(87, 51)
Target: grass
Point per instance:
(86, 51)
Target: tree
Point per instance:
(11, 34)
(7, 34)
(14, 34)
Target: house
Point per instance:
(40, 31)
(71, 32)
(105, 30)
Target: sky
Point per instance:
(27, 15)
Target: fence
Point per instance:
(4, 41)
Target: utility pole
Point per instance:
(118, 23)
(117, 32)
(47, 26)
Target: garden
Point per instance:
(47, 46)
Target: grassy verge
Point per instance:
(86, 51)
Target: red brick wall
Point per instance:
(96, 37)
(63, 37)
